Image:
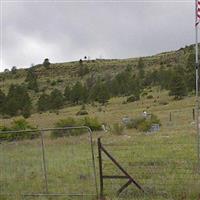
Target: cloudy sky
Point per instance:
(70, 30)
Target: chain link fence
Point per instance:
(49, 167)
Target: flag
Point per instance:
(197, 12)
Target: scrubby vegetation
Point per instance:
(18, 125)
(92, 123)
(143, 123)
(117, 129)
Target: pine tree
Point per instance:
(17, 101)
(2, 101)
(77, 93)
(190, 72)
(31, 78)
(140, 67)
(67, 93)
(56, 99)
(44, 102)
(177, 85)
(100, 93)
(46, 63)
(103, 94)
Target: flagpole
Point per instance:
(197, 84)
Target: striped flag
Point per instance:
(197, 12)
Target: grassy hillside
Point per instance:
(67, 73)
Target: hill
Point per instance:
(68, 72)
(58, 85)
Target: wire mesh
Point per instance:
(48, 167)
(164, 163)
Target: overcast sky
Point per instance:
(69, 30)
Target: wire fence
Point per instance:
(49, 167)
(163, 163)
(166, 168)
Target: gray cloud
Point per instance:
(64, 31)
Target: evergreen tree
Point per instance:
(14, 70)
(103, 94)
(140, 67)
(67, 93)
(2, 101)
(122, 83)
(77, 93)
(44, 102)
(17, 101)
(56, 99)
(100, 93)
(46, 63)
(177, 85)
(190, 72)
(31, 78)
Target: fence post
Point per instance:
(193, 114)
(170, 116)
(100, 168)
(44, 162)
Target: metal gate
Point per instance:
(46, 167)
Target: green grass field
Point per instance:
(164, 163)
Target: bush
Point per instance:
(53, 83)
(155, 120)
(134, 123)
(18, 125)
(63, 123)
(163, 102)
(144, 94)
(143, 124)
(60, 81)
(117, 129)
(92, 123)
(82, 112)
(133, 98)
(150, 97)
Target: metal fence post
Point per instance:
(170, 116)
(193, 114)
(44, 162)
(93, 160)
(100, 168)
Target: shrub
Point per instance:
(53, 83)
(117, 129)
(92, 123)
(82, 112)
(18, 125)
(143, 124)
(63, 123)
(163, 102)
(60, 81)
(99, 109)
(124, 102)
(155, 120)
(134, 123)
(150, 97)
(144, 94)
(132, 98)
